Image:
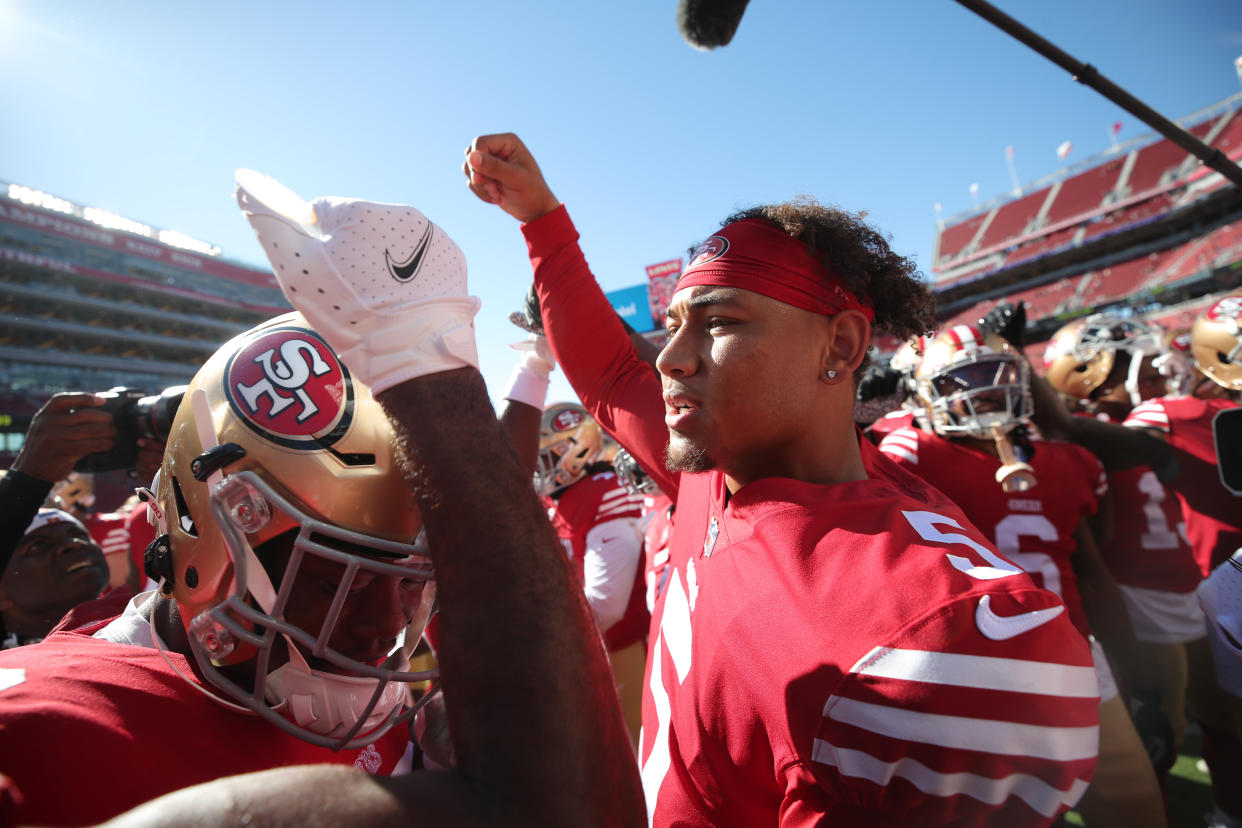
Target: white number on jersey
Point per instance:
(925, 524)
(675, 636)
(1014, 527)
(1158, 534)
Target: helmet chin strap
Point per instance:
(331, 704)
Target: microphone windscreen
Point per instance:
(707, 24)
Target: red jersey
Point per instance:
(851, 654)
(1213, 516)
(141, 533)
(656, 537)
(1035, 529)
(596, 520)
(889, 423)
(111, 532)
(121, 711)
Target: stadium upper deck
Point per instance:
(90, 300)
(1141, 224)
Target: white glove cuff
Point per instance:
(425, 337)
(528, 387)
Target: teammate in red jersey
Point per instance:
(1107, 365)
(294, 579)
(596, 518)
(1032, 500)
(836, 644)
(55, 567)
(1173, 435)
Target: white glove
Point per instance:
(382, 284)
(529, 381)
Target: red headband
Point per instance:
(756, 255)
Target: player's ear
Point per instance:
(849, 336)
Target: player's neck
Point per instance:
(835, 458)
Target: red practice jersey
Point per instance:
(1213, 516)
(1036, 528)
(889, 423)
(596, 520)
(111, 532)
(656, 537)
(849, 654)
(138, 729)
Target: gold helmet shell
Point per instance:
(569, 441)
(1216, 342)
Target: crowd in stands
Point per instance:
(764, 575)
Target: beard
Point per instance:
(683, 456)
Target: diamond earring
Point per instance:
(831, 374)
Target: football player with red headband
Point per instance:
(332, 477)
(835, 644)
(1174, 436)
(1033, 499)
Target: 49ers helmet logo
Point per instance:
(1226, 310)
(710, 250)
(288, 387)
(567, 419)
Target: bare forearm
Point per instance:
(1119, 447)
(562, 755)
(521, 423)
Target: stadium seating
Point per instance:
(1156, 159)
(1119, 281)
(1046, 299)
(1120, 219)
(1041, 245)
(1013, 219)
(954, 239)
(1084, 192)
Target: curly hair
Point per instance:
(860, 255)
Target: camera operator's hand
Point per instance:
(380, 282)
(500, 170)
(65, 429)
(150, 455)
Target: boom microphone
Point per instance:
(706, 24)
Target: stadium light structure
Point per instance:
(1088, 75)
(109, 220)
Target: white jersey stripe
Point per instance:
(1148, 415)
(909, 442)
(1042, 797)
(1062, 744)
(1007, 674)
(900, 452)
(618, 509)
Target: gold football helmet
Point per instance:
(280, 480)
(569, 441)
(75, 494)
(1216, 342)
(1081, 355)
(973, 384)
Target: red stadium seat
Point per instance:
(1084, 192)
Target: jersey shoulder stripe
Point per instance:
(902, 446)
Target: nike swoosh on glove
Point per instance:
(381, 283)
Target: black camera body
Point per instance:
(134, 415)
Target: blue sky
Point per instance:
(888, 106)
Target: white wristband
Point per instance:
(527, 387)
